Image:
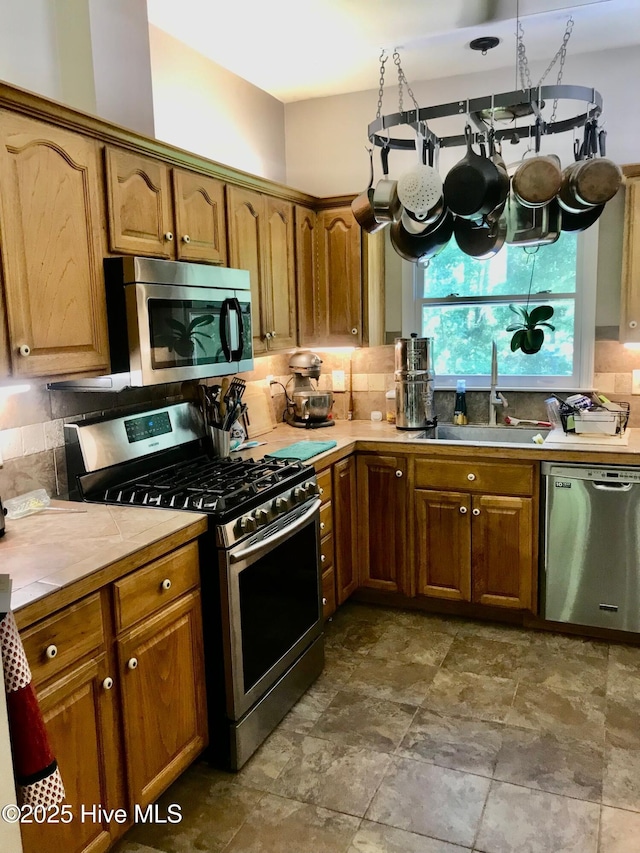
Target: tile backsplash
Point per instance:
(31, 424)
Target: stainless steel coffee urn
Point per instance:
(415, 404)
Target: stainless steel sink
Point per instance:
(483, 434)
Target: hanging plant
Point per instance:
(528, 332)
(529, 336)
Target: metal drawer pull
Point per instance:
(166, 584)
(463, 510)
(471, 476)
(107, 683)
(398, 473)
(168, 236)
(132, 663)
(51, 651)
(475, 511)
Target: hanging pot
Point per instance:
(362, 205)
(581, 221)
(422, 247)
(538, 180)
(472, 188)
(386, 204)
(589, 182)
(532, 226)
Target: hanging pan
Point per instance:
(386, 204)
(581, 221)
(422, 247)
(473, 187)
(538, 180)
(481, 241)
(362, 205)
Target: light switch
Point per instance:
(337, 377)
(635, 381)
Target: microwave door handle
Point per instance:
(236, 354)
(224, 330)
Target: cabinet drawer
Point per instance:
(64, 638)
(152, 587)
(326, 519)
(324, 483)
(328, 593)
(487, 477)
(326, 553)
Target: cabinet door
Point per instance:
(245, 220)
(345, 526)
(630, 301)
(52, 249)
(80, 716)
(340, 277)
(382, 527)
(201, 225)
(502, 550)
(164, 706)
(139, 205)
(281, 281)
(443, 544)
(306, 276)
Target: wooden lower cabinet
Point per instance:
(127, 714)
(163, 697)
(80, 712)
(476, 548)
(345, 525)
(383, 527)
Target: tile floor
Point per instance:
(428, 734)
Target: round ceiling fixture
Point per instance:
(484, 43)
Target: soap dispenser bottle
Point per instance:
(460, 406)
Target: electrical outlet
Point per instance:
(337, 377)
(635, 381)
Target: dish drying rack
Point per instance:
(595, 420)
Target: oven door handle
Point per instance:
(280, 536)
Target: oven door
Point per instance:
(177, 332)
(271, 604)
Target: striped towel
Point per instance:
(35, 768)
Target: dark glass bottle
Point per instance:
(460, 405)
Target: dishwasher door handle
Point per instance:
(613, 487)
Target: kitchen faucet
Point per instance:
(495, 397)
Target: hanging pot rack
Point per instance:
(530, 100)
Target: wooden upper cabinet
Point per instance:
(52, 234)
(630, 295)
(161, 212)
(307, 275)
(339, 286)
(261, 240)
(201, 233)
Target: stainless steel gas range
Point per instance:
(259, 562)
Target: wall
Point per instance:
(200, 106)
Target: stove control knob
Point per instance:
(299, 494)
(261, 516)
(247, 524)
(282, 504)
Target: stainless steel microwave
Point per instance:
(170, 321)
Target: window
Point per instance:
(463, 304)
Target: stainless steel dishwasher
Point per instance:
(591, 545)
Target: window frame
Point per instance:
(584, 336)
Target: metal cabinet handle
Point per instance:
(132, 663)
(24, 350)
(463, 510)
(354, 331)
(166, 583)
(398, 473)
(475, 511)
(107, 683)
(471, 476)
(51, 651)
(186, 238)
(168, 236)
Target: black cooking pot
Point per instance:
(424, 246)
(475, 185)
(480, 240)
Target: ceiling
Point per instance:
(301, 49)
